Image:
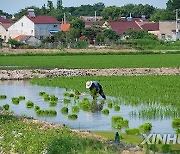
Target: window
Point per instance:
(31, 31)
(55, 25)
(22, 24)
(163, 36)
(41, 37)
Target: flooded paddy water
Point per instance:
(93, 121)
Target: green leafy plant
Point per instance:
(133, 131)
(41, 93)
(15, 100)
(64, 110)
(6, 107)
(105, 112)
(85, 104)
(146, 127)
(21, 98)
(116, 107)
(72, 116)
(75, 109)
(66, 101)
(176, 122)
(109, 104)
(52, 103)
(29, 104)
(3, 97)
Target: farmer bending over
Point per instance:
(95, 88)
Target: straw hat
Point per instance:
(88, 84)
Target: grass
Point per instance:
(16, 135)
(135, 90)
(92, 61)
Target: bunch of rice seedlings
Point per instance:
(105, 112)
(72, 116)
(64, 110)
(15, 100)
(29, 104)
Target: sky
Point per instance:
(14, 6)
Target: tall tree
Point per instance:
(173, 5)
(59, 4)
(50, 5)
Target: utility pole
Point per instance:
(64, 18)
(95, 16)
(177, 31)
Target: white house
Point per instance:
(31, 25)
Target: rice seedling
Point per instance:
(26, 116)
(52, 103)
(85, 104)
(36, 108)
(64, 110)
(53, 98)
(66, 101)
(3, 97)
(133, 131)
(72, 116)
(116, 107)
(15, 100)
(146, 127)
(118, 122)
(46, 97)
(176, 123)
(41, 93)
(6, 107)
(68, 94)
(76, 97)
(29, 104)
(116, 118)
(105, 112)
(110, 104)
(75, 109)
(21, 98)
(46, 112)
(77, 92)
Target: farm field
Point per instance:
(91, 61)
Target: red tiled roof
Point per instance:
(19, 37)
(7, 25)
(44, 20)
(3, 20)
(153, 26)
(90, 23)
(121, 27)
(65, 27)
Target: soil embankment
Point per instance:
(43, 73)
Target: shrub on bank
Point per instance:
(146, 127)
(133, 131)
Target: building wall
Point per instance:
(43, 30)
(24, 26)
(167, 30)
(3, 32)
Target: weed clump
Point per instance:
(72, 116)
(105, 112)
(29, 104)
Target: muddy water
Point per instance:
(86, 120)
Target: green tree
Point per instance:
(44, 10)
(90, 33)
(50, 5)
(111, 35)
(78, 24)
(111, 13)
(173, 5)
(59, 4)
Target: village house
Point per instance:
(39, 27)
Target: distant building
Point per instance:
(168, 30)
(91, 18)
(31, 40)
(40, 27)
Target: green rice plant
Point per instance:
(29, 104)
(21, 98)
(72, 116)
(77, 92)
(93, 93)
(176, 123)
(85, 104)
(52, 103)
(64, 110)
(71, 95)
(115, 119)
(166, 148)
(53, 98)
(105, 112)
(26, 116)
(41, 93)
(110, 104)
(66, 94)
(36, 108)
(6, 107)
(146, 127)
(125, 123)
(75, 109)
(3, 97)
(116, 107)
(133, 131)
(15, 100)
(66, 101)
(76, 96)
(46, 112)
(46, 97)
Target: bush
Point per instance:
(21, 98)
(29, 104)
(66, 101)
(176, 122)
(64, 110)
(105, 112)
(75, 109)
(133, 131)
(72, 116)
(110, 104)
(116, 107)
(15, 100)
(6, 107)
(146, 127)
(52, 103)
(3, 97)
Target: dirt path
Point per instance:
(42, 73)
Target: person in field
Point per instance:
(95, 88)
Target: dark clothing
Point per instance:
(98, 88)
(117, 137)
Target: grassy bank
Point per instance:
(133, 90)
(92, 61)
(21, 136)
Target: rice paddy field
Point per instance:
(91, 61)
